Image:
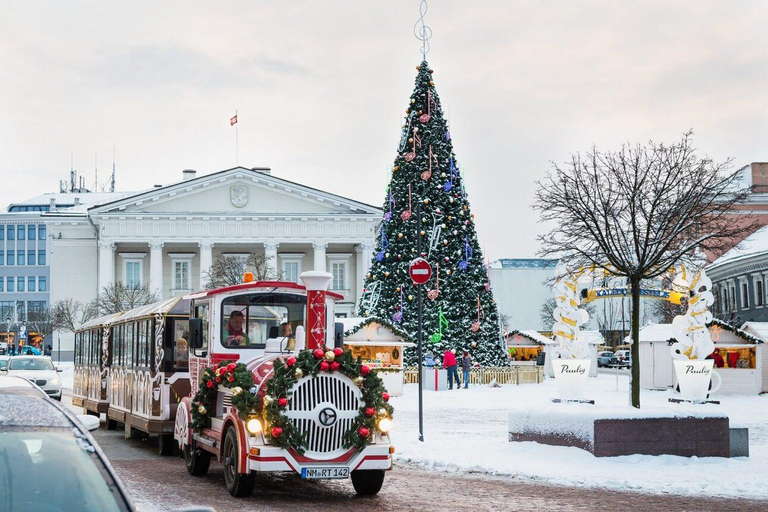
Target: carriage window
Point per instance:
(180, 346)
(130, 350)
(250, 320)
(201, 312)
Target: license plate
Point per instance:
(324, 472)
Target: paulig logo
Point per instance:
(567, 369)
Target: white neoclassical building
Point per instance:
(168, 236)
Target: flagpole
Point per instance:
(237, 141)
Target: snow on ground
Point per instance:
(466, 431)
(67, 375)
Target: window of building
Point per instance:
(133, 274)
(21, 311)
(41, 257)
(2, 284)
(36, 310)
(30, 257)
(291, 266)
(11, 232)
(30, 283)
(744, 295)
(31, 232)
(6, 311)
(20, 284)
(21, 233)
(19, 257)
(41, 233)
(2, 258)
(2, 233)
(180, 275)
(11, 258)
(758, 285)
(42, 284)
(11, 285)
(339, 271)
(732, 296)
(181, 267)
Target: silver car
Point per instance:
(38, 370)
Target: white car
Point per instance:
(3, 363)
(38, 370)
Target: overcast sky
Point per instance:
(320, 87)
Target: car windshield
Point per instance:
(30, 364)
(250, 320)
(54, 470)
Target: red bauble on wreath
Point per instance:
(364, 432)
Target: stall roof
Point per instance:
(354, 324)
(380, 343)
(759, 329)
(532, 335)
(664, 332)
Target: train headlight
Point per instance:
(253, 425)
(385, 425)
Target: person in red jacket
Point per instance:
(449, 362)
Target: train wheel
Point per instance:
(165, 444)
(238, 484)
(197, 460)
(369, 482)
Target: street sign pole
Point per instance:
(419, 348)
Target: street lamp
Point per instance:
(8, 332)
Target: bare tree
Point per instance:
(41, 321)
(637, 212)
(117, 297)
(69, 314)
(229, 270)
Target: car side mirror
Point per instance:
(196, 333)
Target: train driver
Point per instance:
(233, 331)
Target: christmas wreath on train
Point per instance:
(375, 412)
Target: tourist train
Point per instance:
(175, 369)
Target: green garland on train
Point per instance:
(235, 376)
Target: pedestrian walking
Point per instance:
(466, 364)
(449, 362)
(429, 360)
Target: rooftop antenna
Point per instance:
(96, 171)
(72, 179)
(112, 180)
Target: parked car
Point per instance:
(55, 464)
(624, 358)
(37, 369)
(606, 358)
(3, 363)
(28, 350)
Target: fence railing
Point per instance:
(485, 375)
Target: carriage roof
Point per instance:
(172, 306)
(96, 322)
(259, 286)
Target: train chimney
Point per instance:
(317, 283)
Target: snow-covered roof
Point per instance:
(753, 245)
(664, 332)
(527, 263)
(532, 335)
(759, 329)
(65, 201)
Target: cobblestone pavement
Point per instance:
(162, 483)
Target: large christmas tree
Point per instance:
(458, 307)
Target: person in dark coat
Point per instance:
(466, 364)
(449, 362)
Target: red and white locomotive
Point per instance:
(268, 326)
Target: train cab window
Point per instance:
(248, 321)
(180, 345)
(201, 312)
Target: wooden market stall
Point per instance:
(379, 347)
(742, 369)
(524, 347)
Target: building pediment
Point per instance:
(237, 191)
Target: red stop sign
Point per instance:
(420, 271)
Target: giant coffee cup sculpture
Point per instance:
(694, 344)
(570, 358)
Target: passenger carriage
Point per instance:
(148, 372)
(89, 388)
(324, 406)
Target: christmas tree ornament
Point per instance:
(298, 373)
(430, 105)
(324, 366)
(290, 361)
(468, 253)
(358, 381)
(335, 366)
(318, 353)
(370, 411)
(448, 185)
(414, 140)
(237, 390)
(399, 235)
(476, 326)
(391, 202)
(364, 432)
(441, 321)
(432, 294)
(384, 244)
(406, 215)
(282, 402)
(398, 316)
(330, 356)
(365, 370)
(277, 432)
(202, 410)
(474, 344)
(268, 400)
(338, 351)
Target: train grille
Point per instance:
(324, 407)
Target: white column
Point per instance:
(106, 264)
(270, 255)
(156, 268)
(206, 260)
(360, 267)
(367, 252)
(319, 248)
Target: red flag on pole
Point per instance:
(233, 120)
